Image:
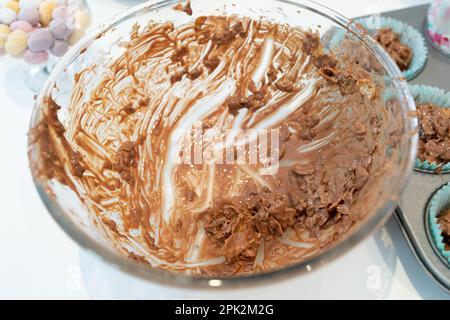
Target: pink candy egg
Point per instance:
(60, 12)
(33, 57)
(21, 25)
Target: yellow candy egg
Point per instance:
(4, 32)
(16, 43)
(82, 20)
(14, 5)
(75, 36)
(45, 10)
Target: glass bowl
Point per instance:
(102, 46)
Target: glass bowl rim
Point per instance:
(156, 275)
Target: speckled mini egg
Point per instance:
(60, 29)
(45, 10)
(16, 43)
(13, 5)
(33, 57)
(7, 16)
(29, 4)
(40, 40)
(59, 48)
(30, 15)
(21, 25)
(4, 32)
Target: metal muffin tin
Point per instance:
(412, 211)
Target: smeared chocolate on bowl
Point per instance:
(114, 147)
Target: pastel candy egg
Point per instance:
(82, 19)
(29, 4)
(40, 40)
(16, 43)
(30, 15)
(13, 5)
(60, 29)
(75, 36)
(33, 57)
(59, 48)
(45, 10)
(4, 32)
(7, 15)
(4, 29)
(60, 12)
(61, 2)
(21, 25)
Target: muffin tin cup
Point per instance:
(425, 94)
(438, 204)
(408, 36)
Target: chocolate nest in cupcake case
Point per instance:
(401, 53)
(444, 222)
(434, 129)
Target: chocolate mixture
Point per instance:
(401, 53)
(444, 221)
(115, 146)
(434, 126)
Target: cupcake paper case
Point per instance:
(438, 97)
(438, 204)
(408, 35)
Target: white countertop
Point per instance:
(40, 261)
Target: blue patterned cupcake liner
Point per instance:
(408, 36)
(438, 97)
(437, 205)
